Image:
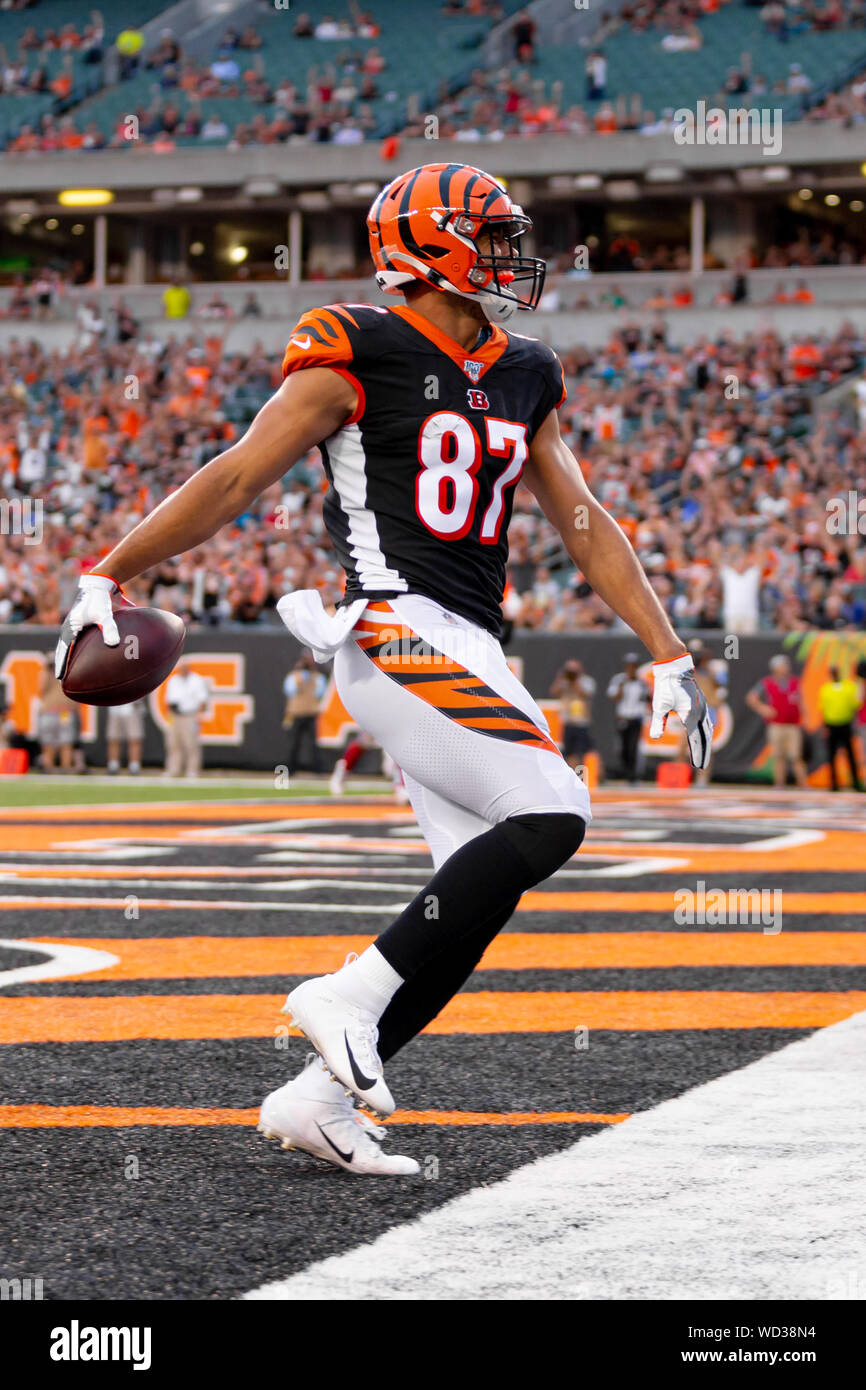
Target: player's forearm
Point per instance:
(613, 570)
(308, 407)
(211, 498)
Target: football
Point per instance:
(150, 643)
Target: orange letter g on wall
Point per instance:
(228, 710)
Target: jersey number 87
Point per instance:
(446, 489)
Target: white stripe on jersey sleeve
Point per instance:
(349, 471)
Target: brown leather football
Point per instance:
(150, 643)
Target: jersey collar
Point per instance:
(479, 361)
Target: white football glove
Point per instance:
(675, 690)
(92, 607)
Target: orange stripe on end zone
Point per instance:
(667, 901)
(122, 1117)
(138, 1017)
(201, 957)
(115, 1116)
(799, 904)
(643, 1011)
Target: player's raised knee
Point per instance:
(545, 841)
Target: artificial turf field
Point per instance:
(150, 934)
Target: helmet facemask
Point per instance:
(499, 277)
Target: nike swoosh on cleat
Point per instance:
(347, 1158)
(362, 1081)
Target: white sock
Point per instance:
(369, 981)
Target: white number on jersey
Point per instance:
(446, 490)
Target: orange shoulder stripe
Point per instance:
(320, 340)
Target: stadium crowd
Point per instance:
(709, 457)
(334, 103)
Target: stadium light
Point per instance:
(78, 229)
(777, 173)
(52, 224)
(196, 248)
(805, 194)
(622, 189)
(588, 181)
(238, 254)
(190, 195)
(857, 205)
(261, 188)
(832, 200)
(663, 173)
(85, 197)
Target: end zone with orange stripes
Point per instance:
(594, 1005)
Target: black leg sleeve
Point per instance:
(478, 881)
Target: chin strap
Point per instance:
(496, 309)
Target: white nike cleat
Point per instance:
(345, 1037)
(303, 1115)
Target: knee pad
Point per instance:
(544, 842)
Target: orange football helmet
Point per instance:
(425, 225)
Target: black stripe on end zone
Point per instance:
(725, 979)
(616, 1072)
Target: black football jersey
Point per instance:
(422, 476)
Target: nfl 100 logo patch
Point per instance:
(472, 369)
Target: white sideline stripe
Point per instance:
(62, 960)
(283, 885)
(751, 1186)
(13, 900)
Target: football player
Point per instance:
(426, 414)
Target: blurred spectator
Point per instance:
(839, 703)
(596, 76)
(304, 690)
(125, 725)
(129, 44)
(740, 586)
(56, 721)
(630, 694)
(187, 694)
(575, 691)
(776, 698)
(176, 301)
(523, 32)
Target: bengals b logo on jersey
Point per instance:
(477, 399)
